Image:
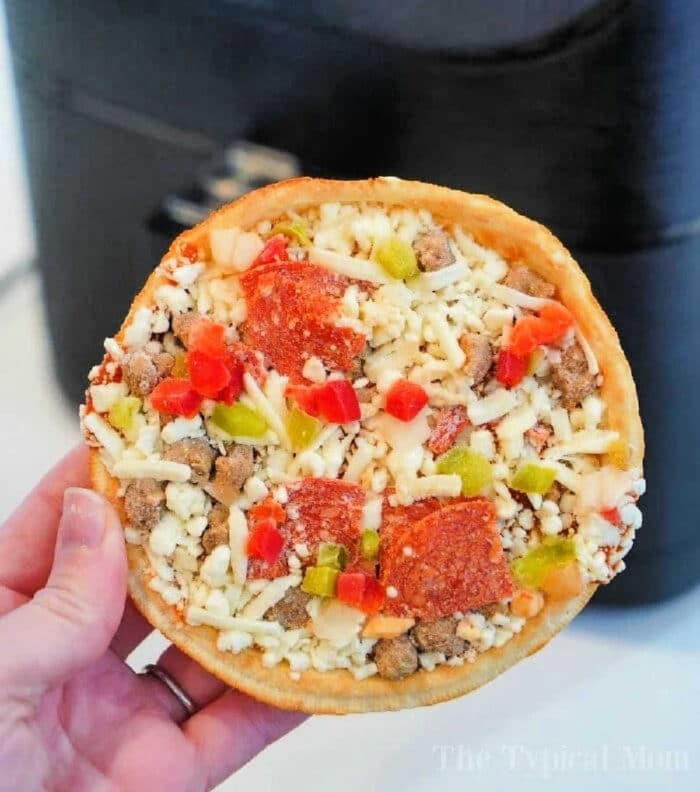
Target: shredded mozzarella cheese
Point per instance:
(493, 406)
(158, 469)
(265, 406)
(110, 440)
(351, 267)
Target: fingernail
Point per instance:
(83, 520)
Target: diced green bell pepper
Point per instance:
(473, 468)
(369, 545)
(239, 420)
(122, 414)
(531, 569)
(320, 581)
(331, 555)
(533, 479)
(397, 258)
(302, 429)
(295, 230)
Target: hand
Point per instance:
(73, 715)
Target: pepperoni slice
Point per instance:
(250, 359)
(398, 519)
(292, 307)
(456, 563)
(318, 510)
(450, 422)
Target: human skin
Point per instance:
(73, 715)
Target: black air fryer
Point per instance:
(140, 116)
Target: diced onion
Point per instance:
(233, 249)
(337, 623)
(222, 241)
(246, 249)
(603, 489)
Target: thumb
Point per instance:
(70, 622)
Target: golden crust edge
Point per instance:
(517, 238)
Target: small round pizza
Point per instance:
(372, 442)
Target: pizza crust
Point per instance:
(517, 239)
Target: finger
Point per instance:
(28, 537)
(199, 684)
(9, 600)
(233, 729)
(132, 630)
(71, 621)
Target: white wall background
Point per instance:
(18, 245)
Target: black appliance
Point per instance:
(583, 114)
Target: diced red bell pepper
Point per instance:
(189, 251)
(306, 398)
(525, 336)
(350, 588)
(510, 368)
(360, 591)
(268, 509)
(208, 375)
(265, 541)
(612, 516)
(207, 337)
(336, 401)
(552, 323)
(232, 391)
(374, 598)
(556, 320)
(557, 317)
(274, 250)
(405, 399)
(176, 397)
